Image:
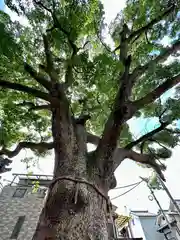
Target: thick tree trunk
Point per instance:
(73, 210)
(64, 217)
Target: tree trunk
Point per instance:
(73, 210)
(63, 218)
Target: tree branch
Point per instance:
(39, 3)
(150, 24)
(121, 154)
(49, 60)
(68, 34)
(156, 93)
(120, 111)
(25, 89)
(38, 77)
(147, 159)
(42, 146)
(100, 39)
(173, 131)
(57, 24)
(147, 136)
(68, 75)
(161, 58)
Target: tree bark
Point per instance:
(73, 210)
(62, 218)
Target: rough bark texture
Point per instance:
(62, 218)
(73, 210)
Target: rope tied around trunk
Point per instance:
(80, 180)
(95, 187)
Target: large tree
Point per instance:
(63, 87)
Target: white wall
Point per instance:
(136, 227)
(145, 227)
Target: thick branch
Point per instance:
(156, 93)
(121, 109)
(146, 159)
(42, 146)
(68, 34)
(147, 136)
(38, 77)
(121, 154)
(161, 58)
(49, 61)
(25, 89)
(68, 76)
(150, 24)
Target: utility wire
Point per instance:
(133, 184)
(125, 186)
(127, 191)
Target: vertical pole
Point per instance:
(170, 196)
(159, 205)
(152, 192)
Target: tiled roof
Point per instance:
(122, 220)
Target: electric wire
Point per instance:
(126, 191)
(111, 189)
(125, 186)
(133, 184)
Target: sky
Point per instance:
(128, 172)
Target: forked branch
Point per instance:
(148, 159)
(41, 147)
(136, 34)
(121, 108)
(57, 24)
(37, 76)
(151, 23)
(147, 136)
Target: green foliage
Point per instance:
(166, 138)
(35, 186)
(96, 71)
(154, 182)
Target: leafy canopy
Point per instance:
(95, 68)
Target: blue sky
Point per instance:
(1, 4)
(129, 171)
